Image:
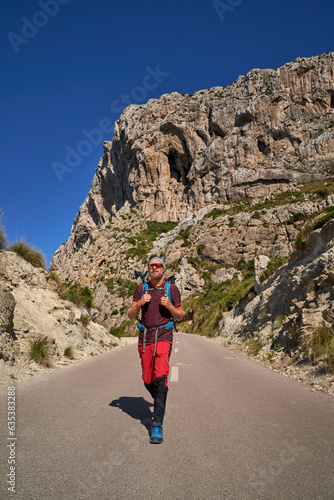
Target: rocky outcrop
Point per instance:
(214, 239)
(30, 308)
(290, 308)
(178, 154)
(209, 182)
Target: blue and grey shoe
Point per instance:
(156, 434)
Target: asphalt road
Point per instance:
(233, 430)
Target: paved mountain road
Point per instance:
(233, 430)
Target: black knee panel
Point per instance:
(150, 388)
(160, 382)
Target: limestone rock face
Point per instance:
(300, 294)
(31, 307)
(187, 280)
(178, 154)
(7, 305)
(292, 305)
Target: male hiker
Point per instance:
(160, 304)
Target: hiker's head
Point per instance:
(156, 267)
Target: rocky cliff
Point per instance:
(207, 181)
(294, 307)
(178, 154)
(30, 309)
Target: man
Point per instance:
(156, 337)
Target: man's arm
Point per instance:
(136, 306)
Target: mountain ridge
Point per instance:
(180, 153)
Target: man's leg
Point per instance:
(160, 380)
(147, 363)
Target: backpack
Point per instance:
(166, 287)
(171, 323)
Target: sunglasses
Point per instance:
(152, 266)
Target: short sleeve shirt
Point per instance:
(154, 314)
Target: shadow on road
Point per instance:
(137, 408)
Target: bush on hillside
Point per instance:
(320, 347)
(81, 296)
(29, 253)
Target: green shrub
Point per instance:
(203, 311)
(325, 218)
(125, 288)
(184, 234)
(254, 347)
(144, 241)
(309, 227)
(68, 352)
(78, 295)
(117, 331)
(39, 351)
(321, 346)
(322, 193)
(109, 284)
(84, 319)
(247, 267)
(29, 253)
(296, 217)
(302, 236)
(216, 212)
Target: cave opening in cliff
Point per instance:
(176, 167)
(263, 147)
(332, 101)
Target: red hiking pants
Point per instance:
(155, 369)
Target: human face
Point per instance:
(156, 272)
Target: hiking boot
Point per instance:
(156, 435)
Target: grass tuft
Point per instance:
(78, 295)
(84, 319)
(320, 347)
(40, 352)
(29, 253)
(254, 347)
(68, 352)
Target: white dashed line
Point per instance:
(176, 349)
(174, 374)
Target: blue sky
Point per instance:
(69, 67)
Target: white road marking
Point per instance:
(174, 374)
(176, 349)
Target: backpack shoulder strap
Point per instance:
(167, 291)
(145, 285)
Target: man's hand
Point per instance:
(136, 306)
(164, 301)
(144, 299)
(176, 312)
